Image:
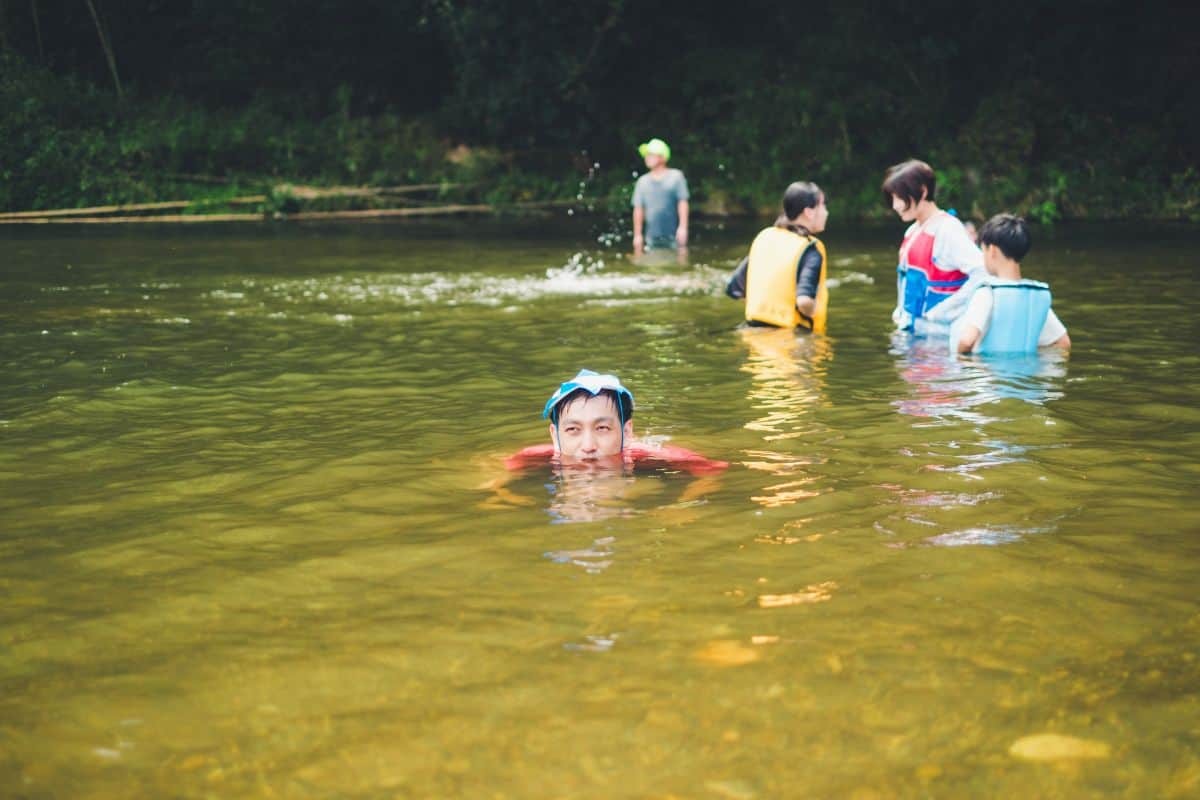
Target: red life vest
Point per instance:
(925, 284)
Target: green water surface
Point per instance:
(257, 539)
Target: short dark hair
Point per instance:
(622, 401)
(797, 197)
(1008, 232)
(906, 180)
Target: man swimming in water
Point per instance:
(593, 458)
(591, 425)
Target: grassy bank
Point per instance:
(67, 143)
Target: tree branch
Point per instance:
(108, 53)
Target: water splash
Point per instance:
(583, 275)
(849, 277)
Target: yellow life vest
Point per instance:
(771, 281)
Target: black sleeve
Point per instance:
(736, 288)
(808, 272)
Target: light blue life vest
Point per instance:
(1019, 310)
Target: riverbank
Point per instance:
(68, 144)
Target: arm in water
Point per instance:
(736, 287)
(953, 306)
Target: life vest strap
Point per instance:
(1031, 287)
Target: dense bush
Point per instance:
(1055, 110)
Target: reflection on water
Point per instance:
(244, 551)
(594, 643)
(595, 493)
(656, 257)
(999, 534)
(593, 559)
(974, 396)
(948, 386)
(590, 495)
(788, 375)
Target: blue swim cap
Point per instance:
(594, 383)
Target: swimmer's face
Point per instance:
(814, 218)
(653, 160)
(908, 213)
(589, 430)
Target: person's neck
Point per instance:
(797, 226)
(1008, 270)
(659, 170)
(926, 210)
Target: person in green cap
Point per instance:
(660, 201)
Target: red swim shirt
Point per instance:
(666, 455)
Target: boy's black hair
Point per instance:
(1008, 232)
(906, 180)
(622, 401)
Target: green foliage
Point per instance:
(66, 143)
(1046, 210)
(521, 102)
(1184, 197)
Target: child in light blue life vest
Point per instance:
(1008, 313)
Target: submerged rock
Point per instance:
(726, 653)
(813, 593)
(1057, 747)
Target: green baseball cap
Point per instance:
(656, 147)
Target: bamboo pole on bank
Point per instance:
(319, 192)
(166, 205)
(296, 192)
(122, 220)
(379, 213)
(303, 216)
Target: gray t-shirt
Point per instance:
(660, 198)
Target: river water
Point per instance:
(256, 537)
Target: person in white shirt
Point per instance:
(1007, 305)
(938, 262)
